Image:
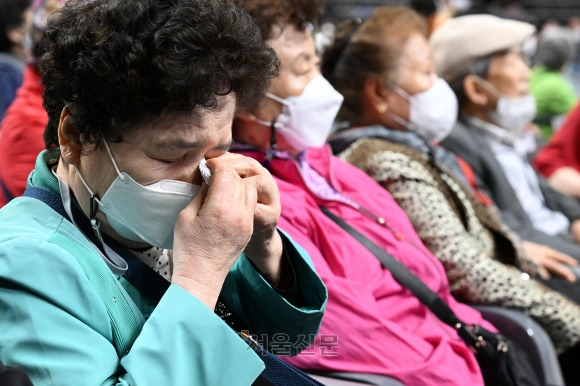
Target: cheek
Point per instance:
(289, 84)
(299, 83)
(98, 174)
(514, 85)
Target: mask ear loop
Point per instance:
(116, 263)
(406, 124)
(113, 160)
(276, 98)
(391, 84)
(93, 205)
(489, 87)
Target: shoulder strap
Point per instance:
(405, 277)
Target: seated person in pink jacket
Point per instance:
(372, 323)
(559, 160)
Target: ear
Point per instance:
(69, 139)
(474, 91)
(376, 95)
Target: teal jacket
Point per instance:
(64, 315)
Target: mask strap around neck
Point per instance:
(85, 184)
(93, 205)
(113, 260)
(273, 146)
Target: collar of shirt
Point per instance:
(318, 184)
(494, 131)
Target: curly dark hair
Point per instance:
(268, 13)
(117, 63)
(11, 16)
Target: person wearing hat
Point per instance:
(478, 55)
(397, 108)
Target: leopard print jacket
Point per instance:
(480, 255)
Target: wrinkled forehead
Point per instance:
(197, 125)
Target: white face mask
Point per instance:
(306, 120)
(432, 113)
(144, 213)
(512, 114)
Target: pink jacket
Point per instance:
(371, 324)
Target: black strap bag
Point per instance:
(501, 361)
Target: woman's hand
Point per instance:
(238, 211)
(550, 262)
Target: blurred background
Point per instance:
(546, 15)
(536, 11)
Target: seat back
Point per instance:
(338, 378)
(531, 337)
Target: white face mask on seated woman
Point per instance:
(432, 113)
(306, 119)
(145, 213)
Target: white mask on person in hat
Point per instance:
(512, 114)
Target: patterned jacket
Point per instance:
(480, 254)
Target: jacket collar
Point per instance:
(41, 176)
(343, 139)
(285, 167)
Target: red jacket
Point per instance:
(564, 147)
(21, 135)
(371, 324)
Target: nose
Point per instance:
(525, 69)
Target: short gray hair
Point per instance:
(556, 46)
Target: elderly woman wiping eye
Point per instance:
(132, 248)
